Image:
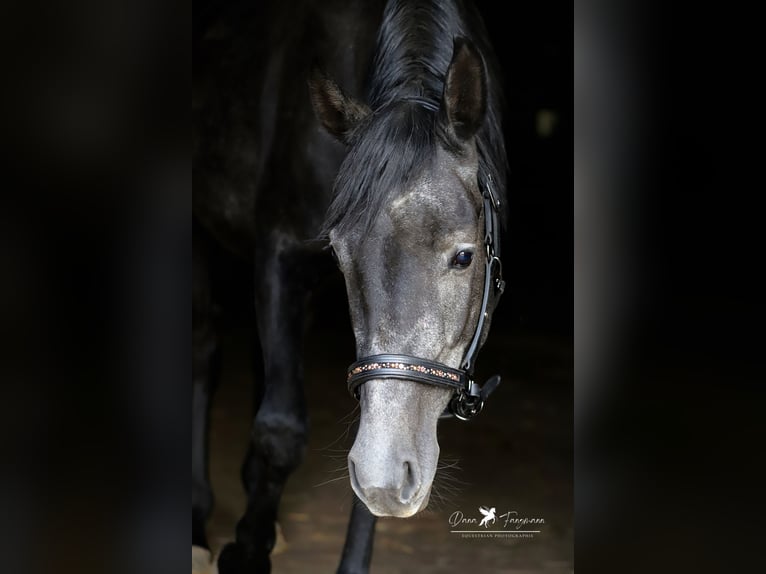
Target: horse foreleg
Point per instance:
(357, 552)
(279, 431)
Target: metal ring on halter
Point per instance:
(465, 406)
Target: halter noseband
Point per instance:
(468, 397)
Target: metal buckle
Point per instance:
(466, 405)
(499, 281)
(488, 187)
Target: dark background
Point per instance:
(533, 41)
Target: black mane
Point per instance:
(398, 140)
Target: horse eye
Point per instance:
(462, 259)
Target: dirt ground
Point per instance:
(516, 456)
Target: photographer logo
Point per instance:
(506, 525)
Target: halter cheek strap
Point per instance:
(468, 397)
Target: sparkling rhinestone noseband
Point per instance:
(468, 397)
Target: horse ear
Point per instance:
(464, 101)
(339, 113)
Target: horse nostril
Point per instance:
(411, 483)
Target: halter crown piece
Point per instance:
(468, 397)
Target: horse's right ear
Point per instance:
(464, 101)
(339, 113)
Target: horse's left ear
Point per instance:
(464, 101)
(339, 113)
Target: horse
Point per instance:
(371, 130)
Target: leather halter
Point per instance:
(468, 397)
